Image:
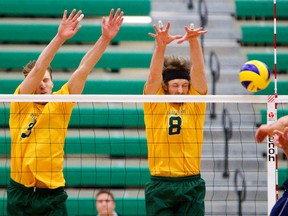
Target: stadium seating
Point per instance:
(282, 88)
(130, 206)
(282, 175)
(250, 35)
(96, 117)
(260, 9)
(96, 176)
(125, 87)
(119, 146)
(69, 60)
(42, 33)
(268, 58)
(52, 8)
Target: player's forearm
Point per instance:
(196, 55)
(49, 52)
(198, 75)
(94, 54)
(33, 79)
(155, 76)
(157, 61)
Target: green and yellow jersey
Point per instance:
(38, 134)
(174, 137)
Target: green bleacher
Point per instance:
(96, 117)
(260, 9)
(69, 60)
(268, 59)
(282, 88)
(76, 206)
(259, 35)
(87, 145)
(96, 176)
(124, 87)
(52, 8)
(89, 33)
(85, 117)
(108, 177)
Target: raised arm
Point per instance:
(110, 28)
(162, 39)
(67, 29)
(197, 72)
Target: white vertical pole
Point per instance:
(272, 157)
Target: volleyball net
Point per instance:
(106, 147)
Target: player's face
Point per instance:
(105, 205)
(178, 87)
(46, 85)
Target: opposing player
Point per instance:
(175, 130)
(279, 130)
(38, 130)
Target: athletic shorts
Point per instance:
(281, 206)
(35, 201)
(182, 196)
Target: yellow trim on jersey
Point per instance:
(38, 134)
(174, 137)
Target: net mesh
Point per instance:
(105, 147)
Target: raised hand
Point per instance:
(191, 34)
(111, 26)
(281, 139)
(261, 133)
(162, 36)
(69, 26)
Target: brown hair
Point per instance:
(28, 67)
(105, 191)
(174, 63)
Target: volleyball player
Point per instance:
(38, 130)
(279, 130)
(175, 130)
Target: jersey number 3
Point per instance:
(29, 129)
(175, 123)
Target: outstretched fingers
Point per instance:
(77, 16)
(192, 33)
(278, 138)
(120, 18)
(72, 14)
(111, 14)
(64, 15)
(116, 15)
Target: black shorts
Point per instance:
(35, 201)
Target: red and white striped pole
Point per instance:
(272, 153)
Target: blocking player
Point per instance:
(175, 130)
(38, 130)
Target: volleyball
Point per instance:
(254, 75)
